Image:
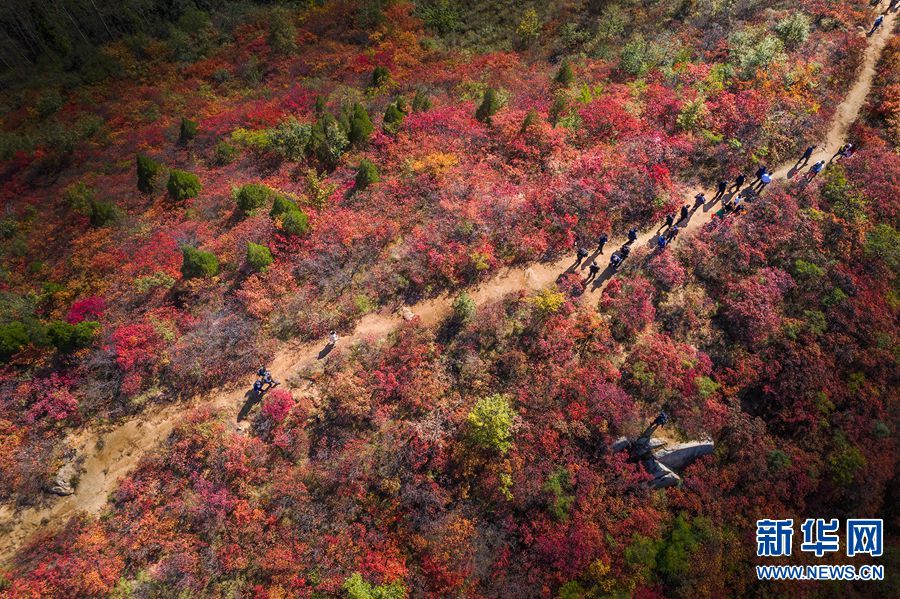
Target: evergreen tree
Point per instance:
(489, 106)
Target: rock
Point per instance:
(679, 456)
(406, 314)
(62, 481)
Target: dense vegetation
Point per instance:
(187, 184)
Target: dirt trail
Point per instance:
(111, 454)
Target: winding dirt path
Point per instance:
(109, 455)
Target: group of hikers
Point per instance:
(264, 380)
(734, 204)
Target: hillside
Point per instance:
(193, 190)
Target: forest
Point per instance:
(194, 189)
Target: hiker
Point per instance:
(580, 253)
(601, 242)
(258, 386)
(332, 338)
(764, 180)
(685, 212)
(804, 160)
(815, 170)
(670, 220)
(625, 250)
(269, 381)
(661, 242)
(876, 24)
(720, 189)
(762, 170)
(615, 260)
(699, 199)
(738, 204)
(845, 151)
(672, 233)
(738, 182)
(632, 235)
(593, 269)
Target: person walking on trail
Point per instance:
(845, 151)
(764, 180)
(258, 386)
(685, 212)
(807, 154)
(581, 253)
(721, 186)
(672, 233)
(632, 235)
(738, 182)
(762, 170)
(332, 338)
(601, 242)
(878, 21)
(661, 242)
(593, 269)
(615, 260)
(815, 170)
(738, 204)
(670, 220)
(699, 199)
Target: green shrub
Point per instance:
(752, 49)
(794, 29)
(197, 263)
(530, 120)
(393, 118)
(634, 56)
(366, 174)
(489, 106)
(490, 423)
(463, 307)
(328, 140)
(295, 222)
(291, 139)
(380, 76)
(557, 110)
(104, 213)
(778, 460)
(441, 16)
(421, 102)
(13, 337)
(188, 130)
(259, 257)
(224, 153)
(183, 185)
(559, 485)
(79, 197)
(147, 171)
(320, 106)
(360, 125)
(357, 588)
(67, 337)
(529, 28)
(251, 196)
(282, 204)
(282, 33)
(565, 76)
(148, 282)
(883, 242)
(9, 228)
(845, 201)
(691, 116)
